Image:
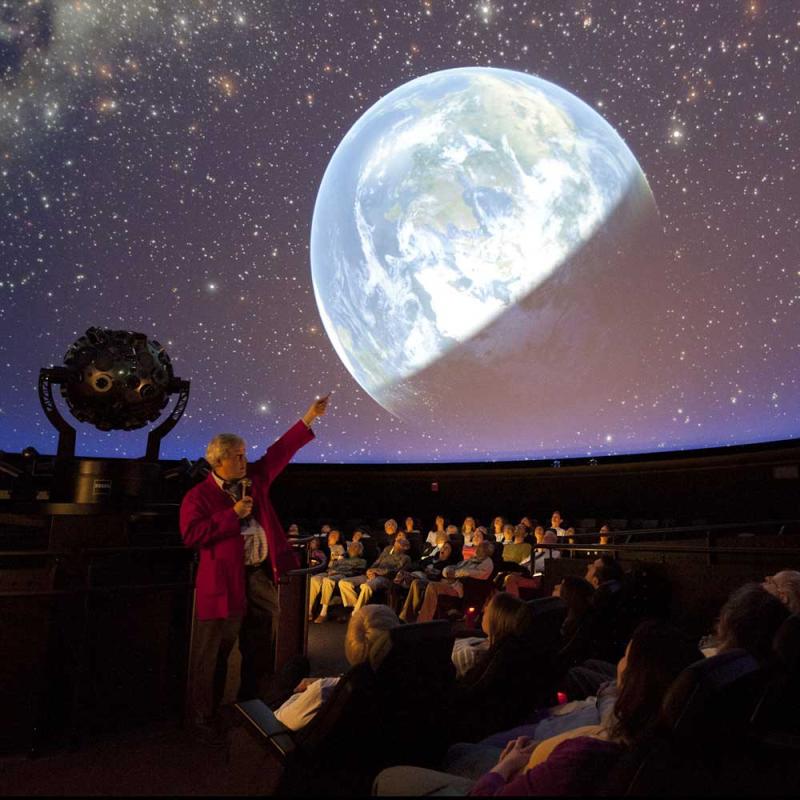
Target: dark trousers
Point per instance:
(258, 633)
(212, 644)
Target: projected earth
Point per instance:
(475, 230)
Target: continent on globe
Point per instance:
(485, 248)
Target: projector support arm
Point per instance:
(160, 431)
(66, 433)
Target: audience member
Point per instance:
(577, 762)
(325, 584)
(468, 530)
(378, 577)
(336, 549)
(480, 566)
(556, 522)
(417, 581)
(518, 551)
(749, 620)
(365, 639)
(498, 523)
(438, 528)
(478, 536)
(316, 555)
(504, 616)
(785, 585)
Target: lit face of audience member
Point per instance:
(333, 537)
(234, 465)
(355, 549)
(439, 523)
(776, 586)
(325, 530)
(478, 537)
(469, 525)
(401, 544)
(451, 530)
(390, 526)
(445, 552)
(293, 530)
(519, 534)
(604, 531)
(555, 520)
(508, 534)
(592, 572)
(409, 524)
(526, 521)
(538, 532)
(497, 523)
(357, 536)
(441, 538)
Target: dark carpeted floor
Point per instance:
(163, 759)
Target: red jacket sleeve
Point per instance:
(280, 453)
(199, 528)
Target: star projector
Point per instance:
(113, 380)
(121, 380)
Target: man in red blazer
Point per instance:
(243, 552)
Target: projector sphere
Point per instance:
(121, 379)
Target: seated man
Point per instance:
(417, 581)
(522, 585)
(519, 551)
(480, 566)
(379, 576)
(326, 582)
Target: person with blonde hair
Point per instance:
(785, 585)
(367, 639)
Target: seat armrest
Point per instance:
(262, 723)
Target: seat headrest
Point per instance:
(786, 643)
(696, 697)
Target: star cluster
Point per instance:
(159, 163)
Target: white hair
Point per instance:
(219, 448)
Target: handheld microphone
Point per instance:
(245, 483)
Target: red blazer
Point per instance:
(209, 523)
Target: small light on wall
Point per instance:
(434, 486)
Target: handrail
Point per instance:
(669, 547)
(692, 528)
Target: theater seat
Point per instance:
(377, 716)
(700, 744)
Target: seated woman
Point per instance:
(478, 536)
(504, 616)
(336, 549)
(316, 555)
(366, 635)
(749, 620)
(498, 523)
(578, 762)
(467, 530)
(438, 528)
(429, 569)
(526, 585)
